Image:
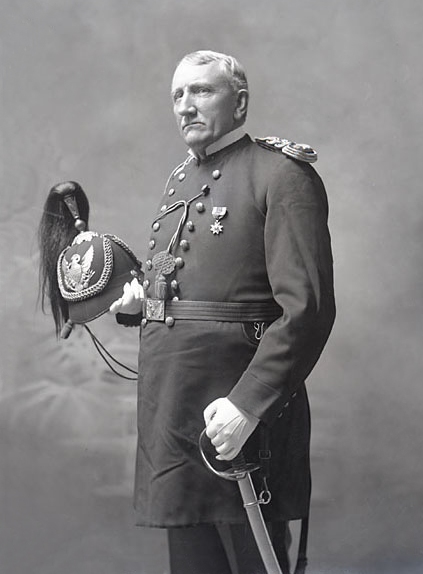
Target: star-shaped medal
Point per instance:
(216, 228)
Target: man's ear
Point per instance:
(241, 105)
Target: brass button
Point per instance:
(156, 226)
(184, 245)
(171, 191)
(190, 226)
(146, 283)
(144, 322)
(170, 321)
(176, 298)
(205, 189)
(174, 284)
(181, 176)
(179, 262)
(163, 208)
(216, 174)
(200, 207)
(152, 244)
(149, 264)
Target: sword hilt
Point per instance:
(239, 469)
(239, 463)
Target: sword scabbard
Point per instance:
(241, 472)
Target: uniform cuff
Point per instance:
(129, 320)
(259, 399)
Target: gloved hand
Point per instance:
(228, 427)
(131, 300)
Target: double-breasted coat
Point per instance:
(271, 245)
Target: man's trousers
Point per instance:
(226, 549)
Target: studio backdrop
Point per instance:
(85, 96)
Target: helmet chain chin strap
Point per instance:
(109, 359)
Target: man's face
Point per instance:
(204, 104)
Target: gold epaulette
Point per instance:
(299, 151)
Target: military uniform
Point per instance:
(240, 251)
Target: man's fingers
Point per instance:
(209, 413)
(227, 453)
(130, 301)
(116, 306)
(137, 288)
(217, 440)
(210, 432)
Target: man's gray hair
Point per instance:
(232, 68)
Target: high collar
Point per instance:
(224, 141)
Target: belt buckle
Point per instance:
(155, 310)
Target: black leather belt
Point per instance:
(156, 310)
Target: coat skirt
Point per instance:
(197, 362)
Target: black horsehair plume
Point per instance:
(65, 214)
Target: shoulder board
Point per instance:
(299, 151)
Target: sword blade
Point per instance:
(258, 525)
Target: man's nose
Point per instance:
(185, 105)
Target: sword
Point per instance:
(241, 472)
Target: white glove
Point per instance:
(227, 427)
(131, 300)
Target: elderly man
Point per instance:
(237, 305)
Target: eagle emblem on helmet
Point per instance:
(77, 272)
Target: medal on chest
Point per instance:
(218, 213)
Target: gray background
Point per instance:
(85, 96)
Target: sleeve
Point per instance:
(129, 320)
(299, 266)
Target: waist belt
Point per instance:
(157, 310)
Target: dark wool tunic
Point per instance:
(275, 246)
